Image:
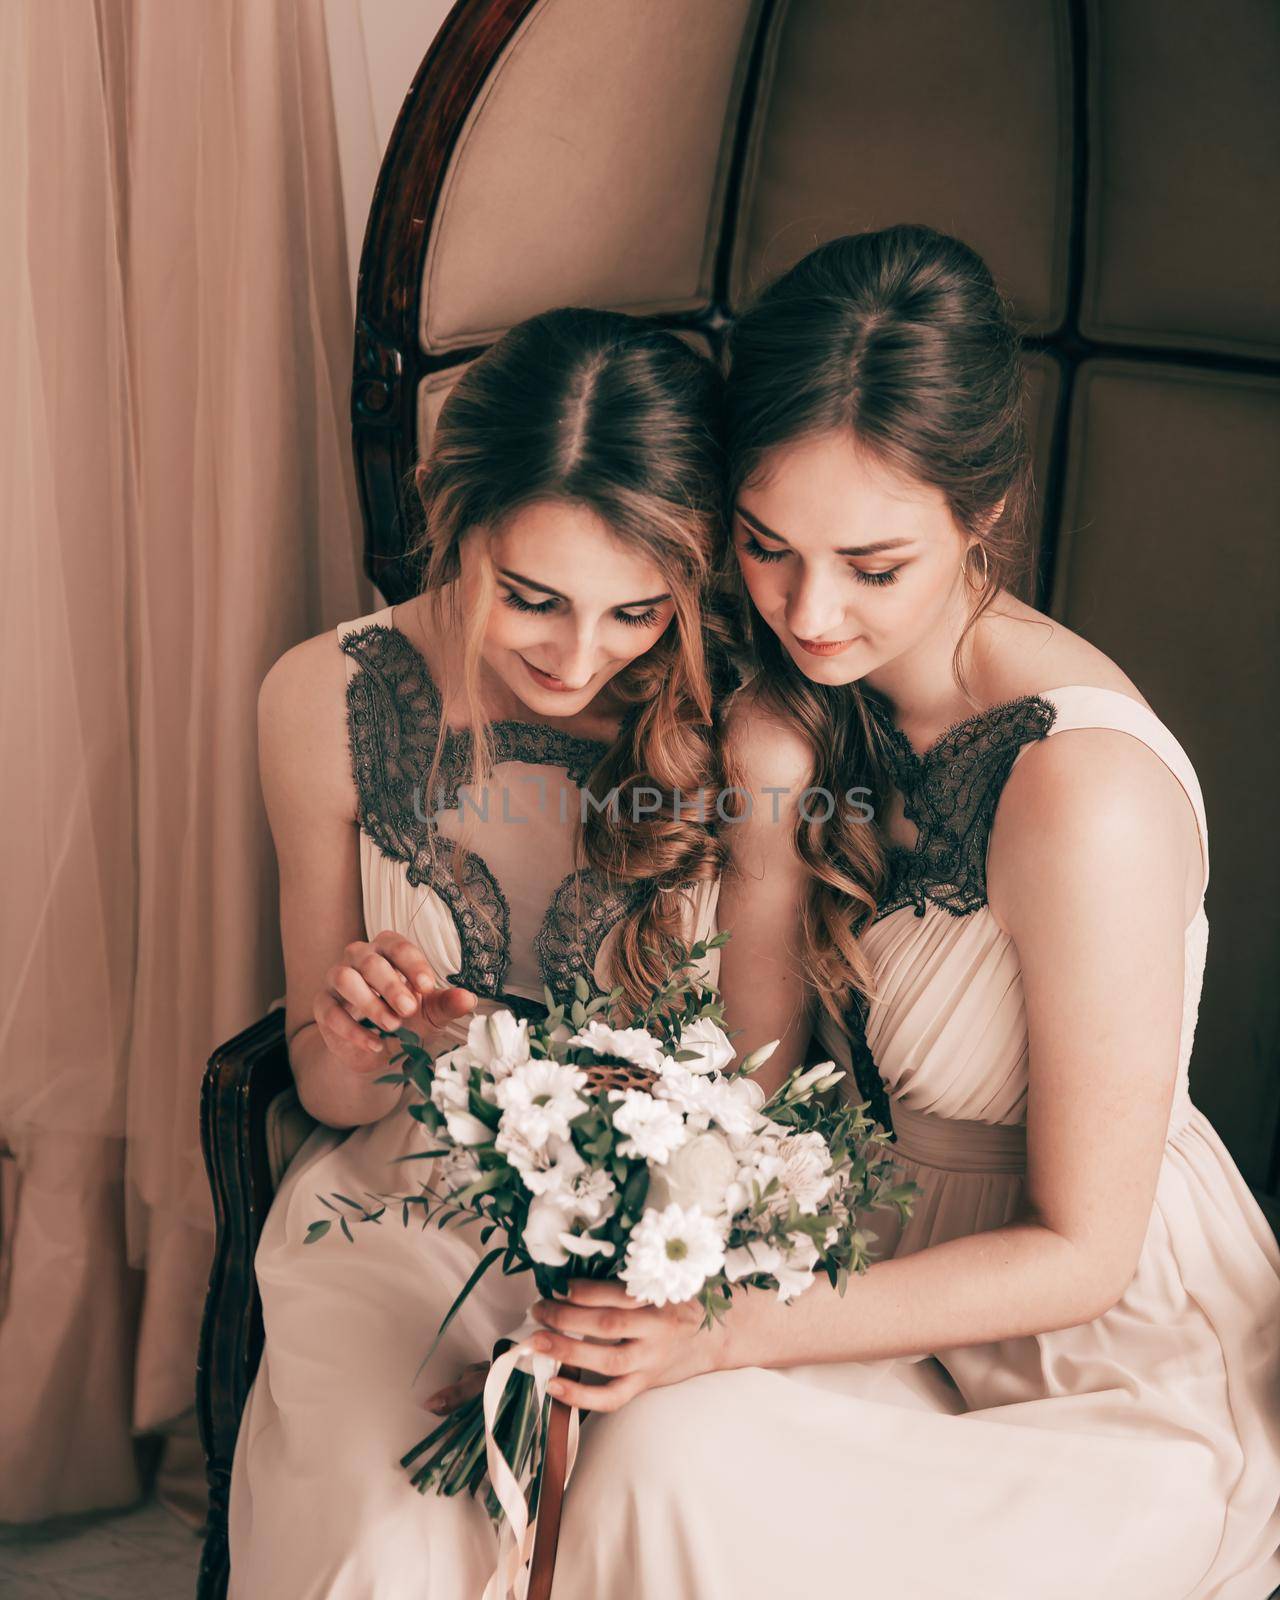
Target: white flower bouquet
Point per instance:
(637, 1153)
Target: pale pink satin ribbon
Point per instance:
(510, 1580)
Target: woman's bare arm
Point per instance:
(334, 972)
(761, 897)
(1088, 871)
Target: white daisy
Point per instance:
(671, 1254)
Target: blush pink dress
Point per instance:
(320, 1508)
(1136, 1457)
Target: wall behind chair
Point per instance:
(375, 48)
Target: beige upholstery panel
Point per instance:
(879, 112)
(1183, 238)
(432, 393)
(591, 169)
(1168, 560)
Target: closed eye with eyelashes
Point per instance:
(758, 552)
(631, 619)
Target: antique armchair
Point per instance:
(665, 159)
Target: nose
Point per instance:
(814, 610)
(573, 659)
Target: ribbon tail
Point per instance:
(510, 1578)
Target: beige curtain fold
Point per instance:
(178, 508)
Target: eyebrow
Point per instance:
(545, 588)
(849, 550)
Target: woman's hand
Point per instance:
(629, 1347)
(387, 981)
(468, 1384)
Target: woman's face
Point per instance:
(852, 565)
(572, 606)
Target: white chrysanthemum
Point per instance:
(805, 1177)
(711, 1043)
(671, 1254)
(651, 1128)
(594, 1195)
(541, 1099)
(798, 1161)
(627, 1044)
(688, 1091)
(733, 1102)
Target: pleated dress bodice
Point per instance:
(947, 1028)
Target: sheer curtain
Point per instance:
(178, 509)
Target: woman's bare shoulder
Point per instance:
(766, 746)
(1027, 653)
(302, 725)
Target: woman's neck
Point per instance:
(920, 685)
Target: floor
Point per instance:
(145, 1554)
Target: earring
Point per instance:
(986, 565)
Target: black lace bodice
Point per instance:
(951, 793)
(393, 722)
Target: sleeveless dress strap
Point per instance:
(1086, 706)
(382, 617)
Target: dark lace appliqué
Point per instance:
(582, 911)
(485, 940)
(950, 793)
(393, 719)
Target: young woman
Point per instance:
(424, 773)
(1065, 1380)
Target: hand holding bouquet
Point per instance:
(634, 1153)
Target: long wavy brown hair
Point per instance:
(902, 338)
(606, 411)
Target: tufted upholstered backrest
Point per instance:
(1113, 160)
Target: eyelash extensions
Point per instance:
(642, 619)
(757, 552)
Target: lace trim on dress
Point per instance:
(485, 939)
(951, 793)
(393, 720)
(582, 912)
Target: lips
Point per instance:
(548, 680)
(819, 647)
